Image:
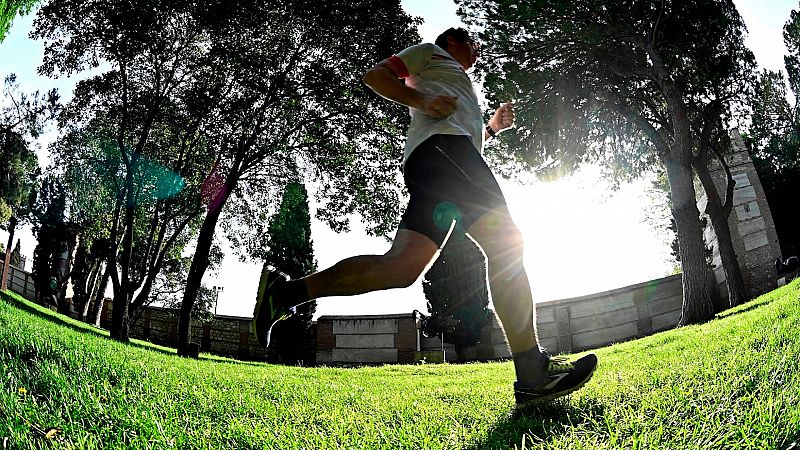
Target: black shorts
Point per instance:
(448, 180)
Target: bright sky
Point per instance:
(580, 237)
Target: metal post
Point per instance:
(217, 290)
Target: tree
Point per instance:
(168, 288)
(718, 210)
(293, 104)
(457, 293)
(774, 138)
(23, 118)
(618, 82)
(53, 236)
(290, 250)
(16, 255)
(9, 9)
(143, 119)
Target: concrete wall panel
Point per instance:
(365, 326)
(365, 340)
(364, 355)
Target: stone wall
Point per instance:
(20, 281)
(224, 335)
(568, 325)
(493, 344)
(755, 239)
(390, 338)
(564, 326)
(396, 338)
(591, 321)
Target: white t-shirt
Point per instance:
(431, 70)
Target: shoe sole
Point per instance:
(554, 395)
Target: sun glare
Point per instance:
(581, 237)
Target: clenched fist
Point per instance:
(503, 118)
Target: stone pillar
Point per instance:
(244, 340)
(563, 331)
(148, 315)
(755, 239)
(406, 339)
(326, 341)
(644, 322)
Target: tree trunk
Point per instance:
(120, 318)
(91, 285)
(195, 278)
(737, 293)
(200, 263)
(12, 226)
(120, 325)
(697, 301)
(100, 297)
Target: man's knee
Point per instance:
(407, 259)
(404, 270)
(503, 240)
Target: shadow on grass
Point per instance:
(539, 423)
(754, 304)
(757, 302)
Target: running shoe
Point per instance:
(270, 308)
(561, 378)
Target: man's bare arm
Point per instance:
(384, 80)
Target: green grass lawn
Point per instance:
(731, 383)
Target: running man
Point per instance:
(452, 190)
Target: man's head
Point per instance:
(460, 45)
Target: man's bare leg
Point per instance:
(410, 254)
(502, 243)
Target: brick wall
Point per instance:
(224, 335)
(366, 339)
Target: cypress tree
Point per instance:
(291, 251)
(457, 293)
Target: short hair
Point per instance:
(459, 34)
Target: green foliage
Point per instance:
(298, 70)
(134, 131)
(171, 281)
(16, 254)
(658, 215)
(20, 168)
(5, 211)
(288, 239)
(9, 9)
(732, 383)
(774, 139)
(457, 293)
(22, 118)
(586, 76)
(290, 250)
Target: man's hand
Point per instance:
(503, 118)
(439, 106)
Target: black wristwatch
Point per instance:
(490, 131)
